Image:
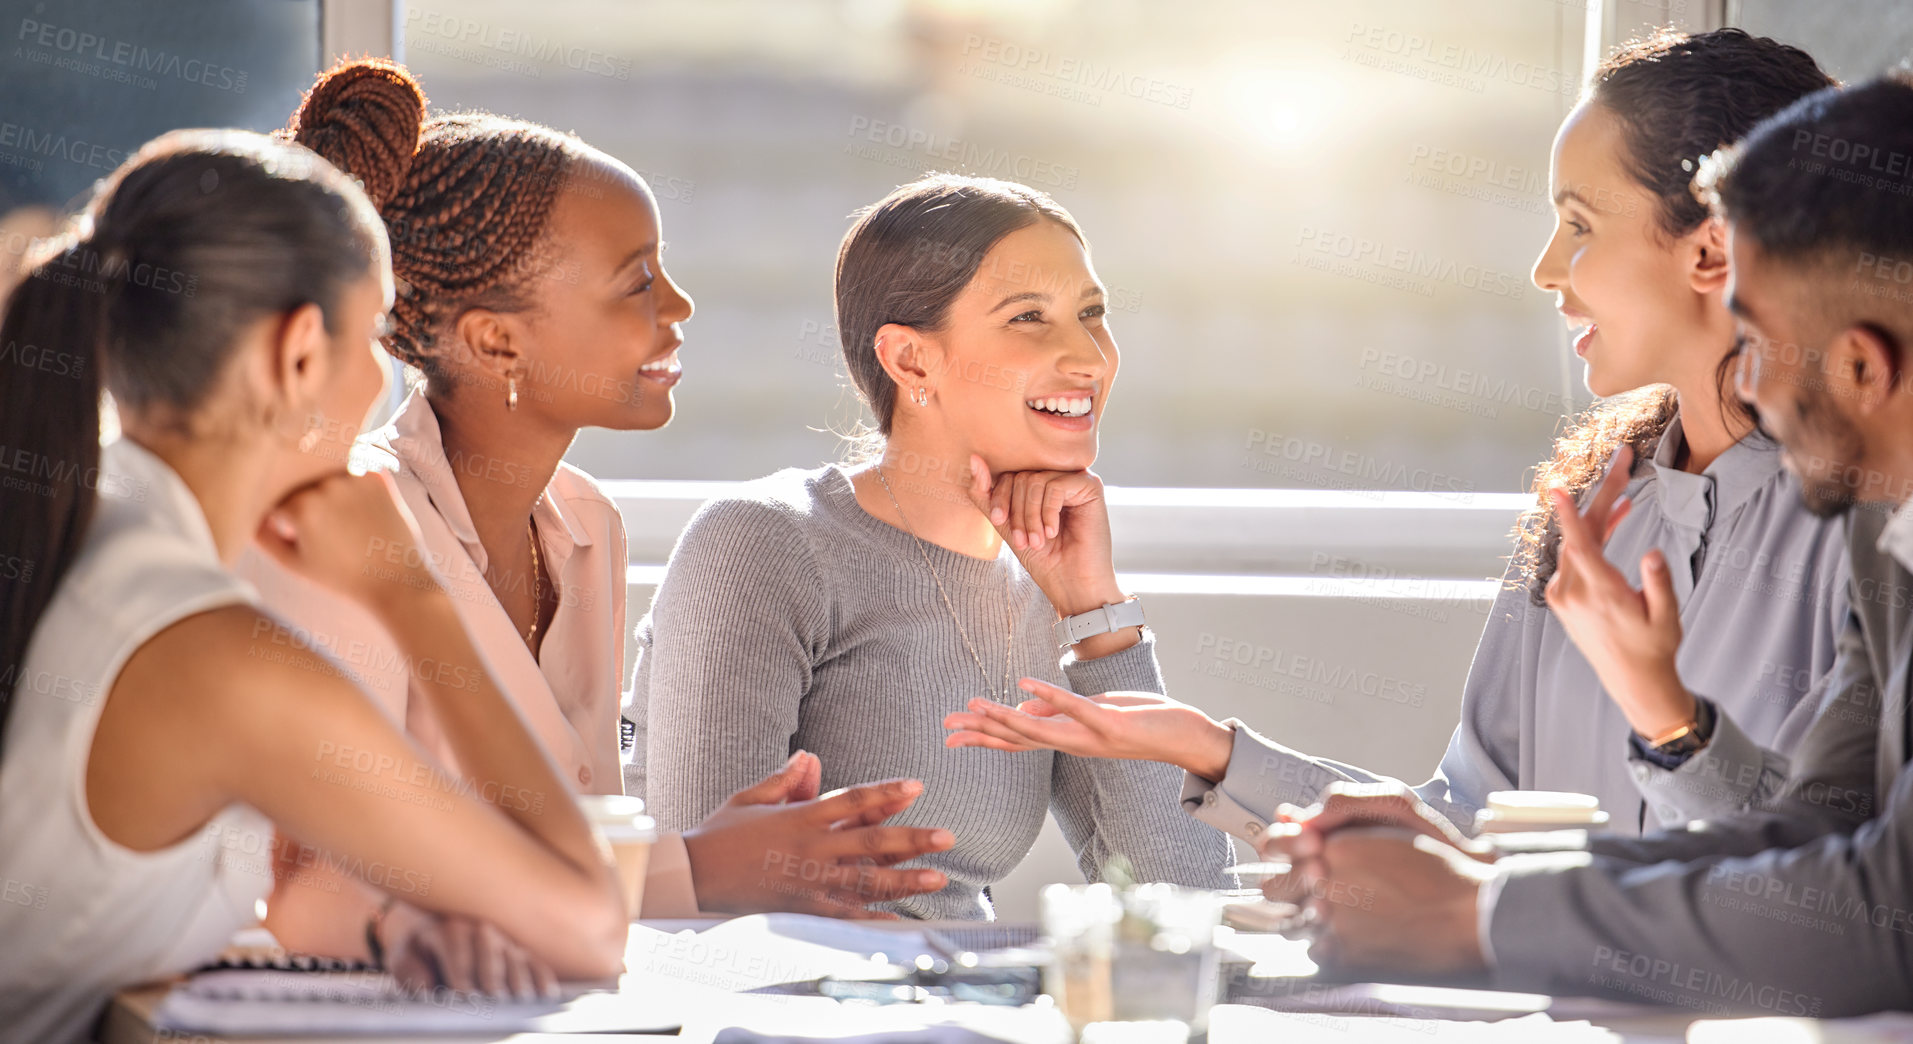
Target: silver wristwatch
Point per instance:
(1112, 617)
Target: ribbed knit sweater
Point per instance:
(789, 618)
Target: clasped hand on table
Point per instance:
(1389, 887)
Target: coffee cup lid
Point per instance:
(635, 828)
(1544, 806)
(620, 817)
(610, 808)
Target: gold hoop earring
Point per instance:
(511, 392)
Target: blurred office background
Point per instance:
(1315, 219)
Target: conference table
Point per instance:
(705, 1000)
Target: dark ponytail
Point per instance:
(199, 235)
(49, 438)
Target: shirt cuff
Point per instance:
(669, 891)
(1511, 849)
(1731, 774)
(1524, 922)
(1638, 750)
(1130, 670)
(1243, 813)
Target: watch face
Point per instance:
(1683, 745)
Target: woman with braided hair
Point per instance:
(532, 301)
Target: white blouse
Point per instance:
(80, 915)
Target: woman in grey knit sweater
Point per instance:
(848, 610)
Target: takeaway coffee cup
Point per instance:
(1518, 811)
(621, 821)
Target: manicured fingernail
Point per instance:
(930, 879)
(1052, 532)
(997, 516)
(912, 786)
(942, 837)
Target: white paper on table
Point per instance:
(1267, 953)
(758, 1023)
(1233, 1023)
(767, 949)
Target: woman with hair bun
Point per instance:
(228, 291)
(532, 302)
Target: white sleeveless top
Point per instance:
(80, 916)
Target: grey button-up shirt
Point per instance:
(1798, 908)
(1762, 586)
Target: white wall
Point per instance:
(1852, 39)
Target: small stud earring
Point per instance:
(921, 398)
(511, 392)
(311, 437)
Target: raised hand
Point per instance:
(1139, 726)
(767, 849)
(1058, 525)
(351, 533)
(1630, 637)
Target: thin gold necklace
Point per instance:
(1009, 623)
(537, 587)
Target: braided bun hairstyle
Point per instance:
(466, 197)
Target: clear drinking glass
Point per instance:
(1146, 954)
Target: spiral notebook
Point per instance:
(263, 991)
(262, 994)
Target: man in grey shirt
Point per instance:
(1805, 908)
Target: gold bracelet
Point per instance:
(1673, 734)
